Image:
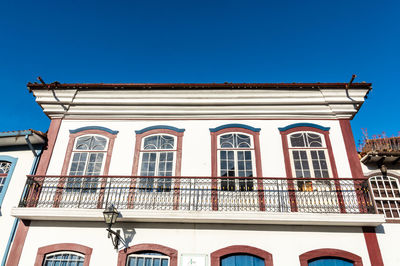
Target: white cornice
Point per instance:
(89, 104)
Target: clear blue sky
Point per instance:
(200, 41)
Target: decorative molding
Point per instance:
(170, 252)
(240, 249)
(141, 131)
(73, 131)
(303, 125)
(43, 251)
(330, 252)
(235, 126)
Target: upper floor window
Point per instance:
(309, 155)
(88, 155)
(4, 169)
(89, 151)
(386, 193)
(235, 154)
(158, 153)
(65, 258)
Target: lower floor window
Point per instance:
(330, 262)
(148, 259)
(64, 259)
(242, 260)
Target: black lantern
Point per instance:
(110, 217)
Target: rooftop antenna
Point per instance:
(351, 81)
(41, 80)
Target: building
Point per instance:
(201, 174)
(380, 159)
(19, 155)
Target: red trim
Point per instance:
(178, 163)
(374, 251)
(289, 174)
(43, 251)
(330, 252)
(240, 249)
(64, 171)
(214, 163)
(18, 243)
(51, 140)
(170, 252)
(352, 156)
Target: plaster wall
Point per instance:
(196, 149)
(285, 243)
(14, 191)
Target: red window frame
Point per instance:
(72, 137)
(241, 249)
(329, 252)
(170, 252)
(288, 166)
(43, 251)
(214, 161)
(178, 163)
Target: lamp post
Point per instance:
(110, 217)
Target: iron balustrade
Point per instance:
(307, 195)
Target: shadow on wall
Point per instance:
(127, 236)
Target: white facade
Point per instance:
(123, 112)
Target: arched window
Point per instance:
(308, 154)
(239, 255)
(329, 261)
(64, 258)
(147, 258)
(241, 260)
(157, 158)
(329, 257)
(158, 152)
(148, 255)
(68, 254)
(235, 156)
(235, 152)
(4, 169)
(386, 193)
(7, 165)
(88, 155)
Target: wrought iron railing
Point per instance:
(308, 195)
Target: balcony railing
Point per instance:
(308, 195)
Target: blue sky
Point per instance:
(200, 41)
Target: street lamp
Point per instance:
(110, 217)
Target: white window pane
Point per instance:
(297, 140)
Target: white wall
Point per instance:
(285, 243)
(196, 154)
(14, 192)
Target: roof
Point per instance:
(200, 100)
(381, 151)
(12, 138)
(225, 85)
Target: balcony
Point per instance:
(204, 199)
